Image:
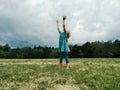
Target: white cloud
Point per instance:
(34, 20)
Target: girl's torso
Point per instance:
(63, 45)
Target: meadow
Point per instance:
(44, 74)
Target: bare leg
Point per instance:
(60, 65)
(67, 66)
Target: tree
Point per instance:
(75, 51)
(16, 53)
(27, 52)
(6, 48)
(115, 51)
(87, 50)
(46, 52)
(97, 48)
(54, 53)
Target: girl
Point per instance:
(63, 45)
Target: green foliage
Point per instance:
(75, 51)
(96, 49)
(87, 50)
(6, 47)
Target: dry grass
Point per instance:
(44, 74)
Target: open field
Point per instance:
(44, 74)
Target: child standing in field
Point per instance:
(63, 45)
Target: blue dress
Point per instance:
(63, 45)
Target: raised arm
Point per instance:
(64, 26)
(58, 26)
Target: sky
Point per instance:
(33, 22)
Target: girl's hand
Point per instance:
(64, 17)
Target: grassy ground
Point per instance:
(44, 74)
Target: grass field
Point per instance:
(44, 74)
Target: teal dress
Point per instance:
(63, 45)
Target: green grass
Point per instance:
(44, 74)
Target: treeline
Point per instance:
(96, 49)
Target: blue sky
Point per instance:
(32, 22)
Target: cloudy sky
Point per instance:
(33, 22)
